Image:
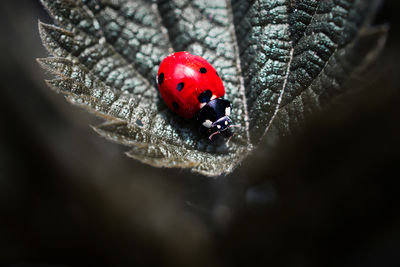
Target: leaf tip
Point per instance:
(39, 60)
(42, 26)
(44, 64)
(45, 29)
(52, 85)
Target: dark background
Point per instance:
(327, 196)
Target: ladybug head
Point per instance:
(213, 117)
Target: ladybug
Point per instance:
(190, 86)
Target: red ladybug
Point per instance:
(191, 86)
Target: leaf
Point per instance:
(280, 60)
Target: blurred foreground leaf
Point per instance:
(280, 60)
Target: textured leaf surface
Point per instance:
(279, 61)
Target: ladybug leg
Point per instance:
(210, 137)
(229, 139)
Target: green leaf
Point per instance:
(280, 60)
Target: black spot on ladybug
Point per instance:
(179, 87)
(205, 96)
(175, 105)
(217, 73)
(203, 70)
(160, 79)
(139, 122)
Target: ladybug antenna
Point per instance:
(236, 125)
(218, 132)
